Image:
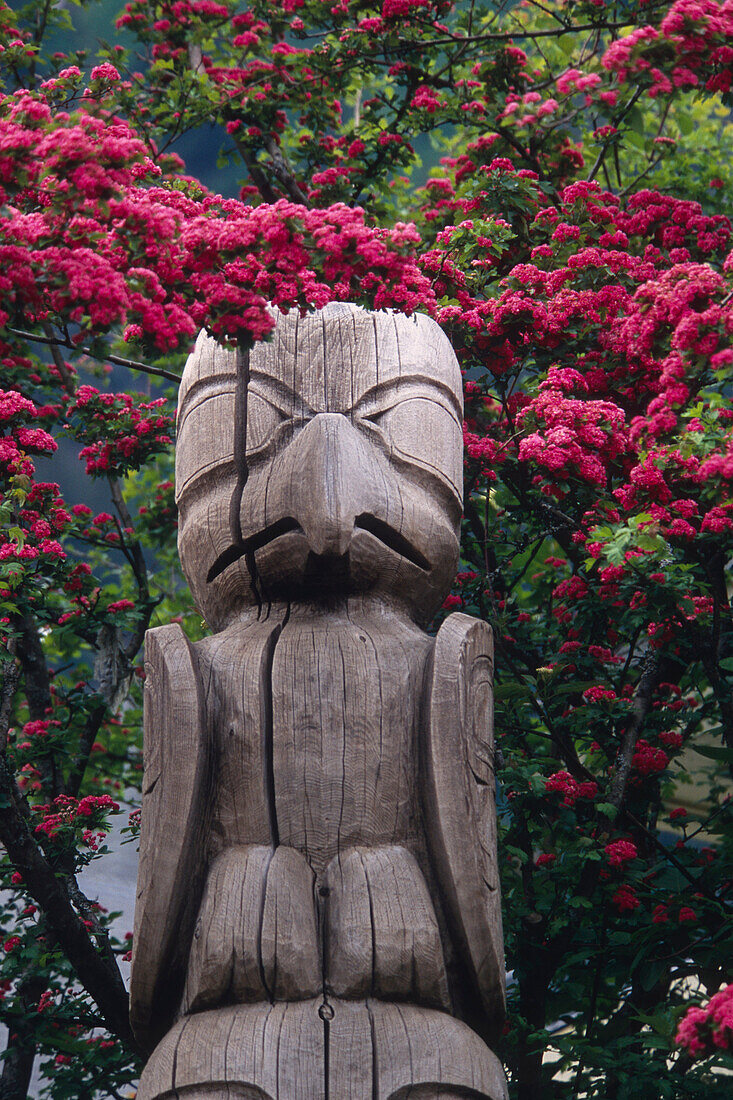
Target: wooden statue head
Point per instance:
(328, 464)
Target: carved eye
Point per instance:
(425, 433)
(265, 422)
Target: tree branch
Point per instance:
(642, 705)
(59, 362)
(284, 174)
(100, 977)
(38, 691)
(86, 740)
(20, 1052)
(118, 360)
(258, 177)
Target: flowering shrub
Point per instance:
(572, 237)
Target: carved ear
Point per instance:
(174, 828)
(460, 802)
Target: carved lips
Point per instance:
(376, 527)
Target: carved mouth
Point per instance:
(365, 522)
(248, 546)
(392, 538)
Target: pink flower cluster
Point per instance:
(575, 437)
(162, 263)
(15, 411)
(703, 1031)
(65, 813)
(132, 431)
(647, 760)
(625, 899)
(620, 852)
(563, 783)
(696, 34)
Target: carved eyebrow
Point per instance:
(273, 390)
(291, 403)
(377, 394)
(279, 393)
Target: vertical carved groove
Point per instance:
(266, 724)
(375, 1058)
(263, 901)
(373, 991)
(242, 468)
(326, 1056)
(240, 445)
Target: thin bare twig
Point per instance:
(118, 360)
(59, 362)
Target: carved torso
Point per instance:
(351, 669)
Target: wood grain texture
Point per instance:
(382, 935)
(175, 815)
(236, 669)
(460, 802)
(345, 730)
(256, 936)
(367, 1050)
(318, 913)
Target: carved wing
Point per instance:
(174, 827)
(460, 804)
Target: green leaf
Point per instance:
(577, 686)
(685, 122)
(650, 973)
(715, 752)
(504, 691)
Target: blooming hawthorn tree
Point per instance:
(570, 234)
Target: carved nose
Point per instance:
(334, 478)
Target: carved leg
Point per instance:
(257, 941)
(256, 936)
(382, 937)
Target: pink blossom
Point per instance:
(121, 605)
(620, 852)
(105, 71)
(625, 899)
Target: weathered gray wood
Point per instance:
(426, 1051)
(236, 669)
(366, 1050)
(326, 914)
(175, 816)
(382, 935)
(341, 386)
(460, 801)
(345, 730)
(256, 936)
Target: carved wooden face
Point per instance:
(347, 478)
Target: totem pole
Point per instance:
(318, 902)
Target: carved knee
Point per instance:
(382, 937)
(256, 935)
